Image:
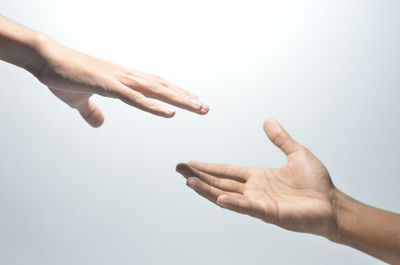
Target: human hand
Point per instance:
(300, 196)
(74, 77)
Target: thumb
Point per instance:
(279, 136)
(91, 113)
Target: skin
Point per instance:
(299, 196)
(74, 77)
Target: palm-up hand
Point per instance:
(74, 77)
(299, 196)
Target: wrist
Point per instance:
(35, 58)
(24, 49)
(21, 46)
(344, 209)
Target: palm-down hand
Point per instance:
(74, 77)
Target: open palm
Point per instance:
(299, 196)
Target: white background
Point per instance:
(327, 70)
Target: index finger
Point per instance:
(222, 170)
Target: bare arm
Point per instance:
(74, 77)
(371, 230)
(300, 197)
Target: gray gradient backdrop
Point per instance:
(70, 194)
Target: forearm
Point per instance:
(371, 230)
(20, 46)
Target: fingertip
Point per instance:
(269, 123)
(169, 113)
(180, 167)
(169, 116)
(273, 129)
(98, 121)
(92, 114)
(97, 124)
(195, 105)
(192, 182)
(222, 200)
(204, 109)
(186, 171)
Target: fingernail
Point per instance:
(206, 107)
(195, 102)
(169, 110)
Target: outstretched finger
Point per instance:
(161, 92)
(241, 205)
(139, 101)
(180, 100)
(219, 183)
(233, 172)
(179, 90)
(163, 82)
(209, 192)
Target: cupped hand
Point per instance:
(74, 77)
(300, 196)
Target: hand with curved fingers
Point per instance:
(300, 197)
(74, 77)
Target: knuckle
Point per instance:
(303, 149)
(129, 71)
(158, 78)
(109, 91)
(89, 113)
(224, 168)
(155, 87)
(216, 182)
(108, 88)
(138, 98)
